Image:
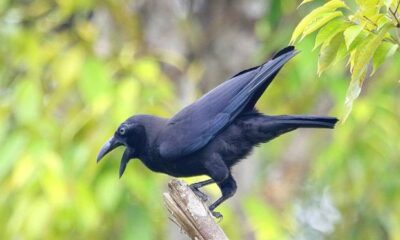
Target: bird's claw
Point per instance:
(217, 215)
(203, 197)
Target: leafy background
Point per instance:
(365, 33)
(71, 71)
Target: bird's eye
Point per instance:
(121, 131)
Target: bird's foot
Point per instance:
(217, 215)
(200, 194)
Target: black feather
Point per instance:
(212, 134)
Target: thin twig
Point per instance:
(372, 22)
(397, 7)
(395, 17)
(390, 40)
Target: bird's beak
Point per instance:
(128, 154)
(110, 145)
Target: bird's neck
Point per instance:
(152, 128)
(152, 162)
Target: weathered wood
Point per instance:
(190, 213)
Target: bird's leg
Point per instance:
(228, 188)
(220, 173)
(195, 188)
(202, 183)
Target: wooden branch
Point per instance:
(190, 213)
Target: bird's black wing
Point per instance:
(195, 125)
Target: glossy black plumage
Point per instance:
(212, 134)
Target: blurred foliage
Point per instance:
(367, 33)
(59, 101)
(71, 71)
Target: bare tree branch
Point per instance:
(190, 213)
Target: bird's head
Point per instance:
(130, 134)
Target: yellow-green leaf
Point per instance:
(360, 59)
(351, 33)
(384, 51)
(342, 51)
(388, 3)
(328, 53)
(360, 39)
(382, 20)
(370, 8)
(329, 31)
(315, 14)
(369, 3)
(353, 92)
(319, 22)
(366, 52)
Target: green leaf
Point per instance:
(329, 31)
(384, 51)
(313, 16)
(370, 8)
(351, 33)
(352, 94)
(365, 53)
(360, 59)
(319, 22)
(382, 21)
(367, 3)
(342, 51)
(328, 53)
(390, 4)
(360, 39)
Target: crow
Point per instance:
(211, 135)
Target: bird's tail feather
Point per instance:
(307, 121)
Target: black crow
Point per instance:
(214, 133)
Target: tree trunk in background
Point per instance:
(217, 40)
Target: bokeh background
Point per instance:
(71, 71)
